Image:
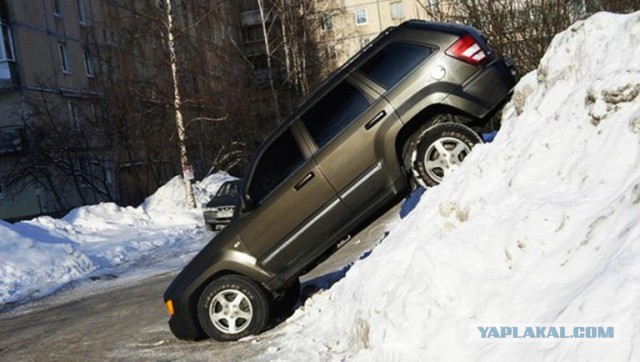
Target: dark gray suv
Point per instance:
(404, 111)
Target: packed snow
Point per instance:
(540, 227)
(105, 241)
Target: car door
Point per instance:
(344, 127)
(294, 206)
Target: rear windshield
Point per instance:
(228, 189)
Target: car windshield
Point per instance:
(228, 189)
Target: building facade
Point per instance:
(86, 100)
(48, 79)
(348, 25)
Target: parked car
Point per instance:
(404, 111)
(219, 211)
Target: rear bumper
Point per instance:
(493, 84)
(485, 92)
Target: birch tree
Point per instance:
(187, 170)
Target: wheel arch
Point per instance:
(217, 270)
(420, 120)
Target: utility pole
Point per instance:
(187, 170)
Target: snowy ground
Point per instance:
(104, 241)
(540, 227)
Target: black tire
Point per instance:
(232, 307)
(439, 150)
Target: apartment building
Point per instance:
(85, 97)
(348, 25)
(46, 57)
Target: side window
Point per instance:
(394, 62)
(281, 159)
(334, 112)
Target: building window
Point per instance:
(578, 9)
(331, 51)
(7, 70)
(57, 10)
(11, 140)
(6, 47)
(212, 36)
(397, 12)
(216, 70)
(88, 64)
(64, 58)
(327, 22)
(252, 34)
(364, 42)
(108, 173)
(361, 16)
(84, 171)
(75, 115)
(82, 19)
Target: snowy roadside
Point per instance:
(40, 256)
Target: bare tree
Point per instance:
(266, 21)
(69, 156)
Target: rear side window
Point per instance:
(334, 112)
(279, 161)
(394, 62)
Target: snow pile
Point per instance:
(168, 205)
(39, 256)
(540, 227)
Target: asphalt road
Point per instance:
(129, 322)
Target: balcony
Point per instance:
(252, 17)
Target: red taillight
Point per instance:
(468, 50)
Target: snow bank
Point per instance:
(540, 227)
(39, 256)
(168, 205)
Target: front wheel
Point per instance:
(232, 307)
(440, 150)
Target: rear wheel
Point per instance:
(232, 307)
(439, 150)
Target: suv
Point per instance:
(404, 111)
(219, 210)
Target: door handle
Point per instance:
(304, 181)
(375, 119)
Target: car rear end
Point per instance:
(491, 77)
(493, 83)
(462, 74)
